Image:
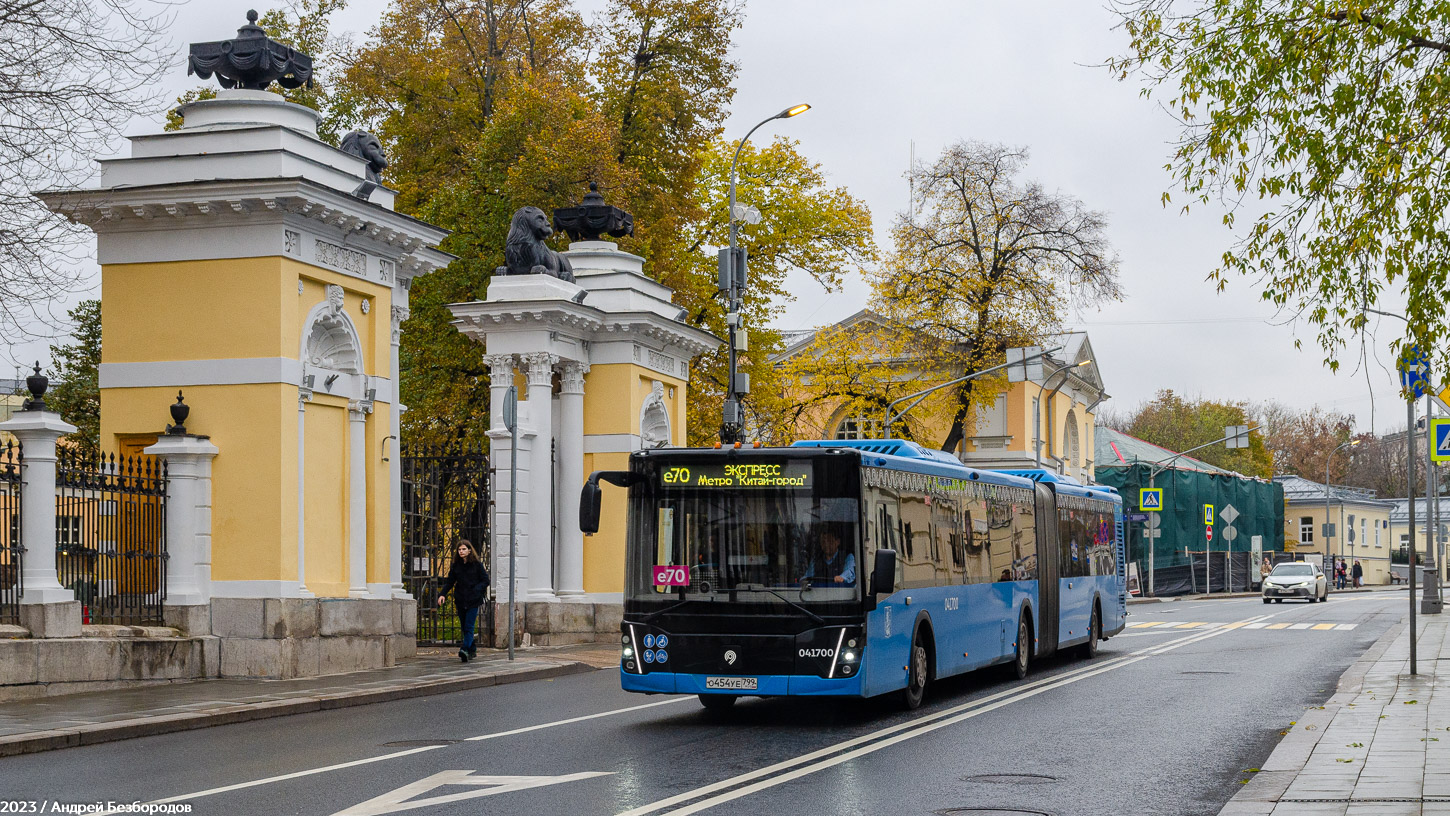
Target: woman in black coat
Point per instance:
(469, 581)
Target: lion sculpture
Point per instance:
(366, 146)
(525, 252)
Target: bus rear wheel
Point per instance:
(1023, 656)
(715, 703)
(917, 670)
(1090, 649)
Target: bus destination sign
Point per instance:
(746, 475)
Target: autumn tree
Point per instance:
(1170, 421)
(986, 260)
(1301, 441)
(1334, 118)
(72, 74)
(75, 392)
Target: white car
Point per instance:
(1296, 579)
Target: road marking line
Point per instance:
(1259, 625)
(396, 755)
(1299, 626)
(1347, 625)
(1322, 626)
(1277, 626)
(1191, 625)
(529, 728)
(914, 728)
(1145, 625)
(1234, 625)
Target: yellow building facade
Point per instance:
(1362, 529)
(247, 265)
(1043, 421)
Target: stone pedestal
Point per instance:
(51, 620)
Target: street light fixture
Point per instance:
(1330, 458)
(732, 282)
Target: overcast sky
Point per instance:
(882, 75)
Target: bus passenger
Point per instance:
(830, 562)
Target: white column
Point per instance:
(304, 395)
(571, 478)
(188, 516)
(357, 499)
(395, 472)
(500, 454)
(37, 432)
(541, 494)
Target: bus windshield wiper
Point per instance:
(676, 605)
(793, 604)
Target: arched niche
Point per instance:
(329, 338)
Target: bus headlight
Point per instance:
(849, 657)
(628, 652)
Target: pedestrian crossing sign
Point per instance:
(1440, 433)
(1150, 499)
(1208, 514)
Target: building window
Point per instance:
(1364, 531)
(1377, 527)
(1404, 540)
(1306, 529)
(859, 427)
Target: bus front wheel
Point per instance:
(917, 670)
(718, 702)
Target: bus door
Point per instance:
(1047, 546)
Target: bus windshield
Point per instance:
(776, 531)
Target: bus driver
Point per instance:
(830, 562)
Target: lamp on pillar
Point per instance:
(593, 218)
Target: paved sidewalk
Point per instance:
(1379, 747)
(1221, 595)
(48, 723)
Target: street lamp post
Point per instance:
(1044, 405)
(890, 418)
(1330, 458)
(732, 281)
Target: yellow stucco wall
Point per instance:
(1374, 557)
(614, 394)
(254, 308)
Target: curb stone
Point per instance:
(1288, 758)
(94, 733)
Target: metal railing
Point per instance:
(11, 553)
(445, 498)
(110, 536)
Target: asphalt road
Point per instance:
(1166, 720)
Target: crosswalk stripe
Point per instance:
(1322, 626)
(1190, 625)
(1145, 624)
(1299, 626)
(1347, 625)
(1234, 625)
(1277, 626)
(1259, 625)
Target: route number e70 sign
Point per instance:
(672, 575)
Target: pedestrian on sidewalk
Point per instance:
(1341, 572)
(469, 582)
(1358, 574)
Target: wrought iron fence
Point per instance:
(110, 535)
(11, 553)
(445, 499)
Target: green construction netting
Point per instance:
(1180, 559)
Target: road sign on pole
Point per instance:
(1208, 514)
(1150, 499)
(1440, 433)
(1414, 369)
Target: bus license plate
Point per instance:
(731, 683)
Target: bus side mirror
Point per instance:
(883, 573)
(589, 500)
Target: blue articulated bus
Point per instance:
(853, 568)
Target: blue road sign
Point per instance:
(1414, 372)
(1440, 433)
(1136, 516)
(1150, 498)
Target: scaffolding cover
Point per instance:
(1179, 551)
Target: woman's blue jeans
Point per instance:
(468, 617)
